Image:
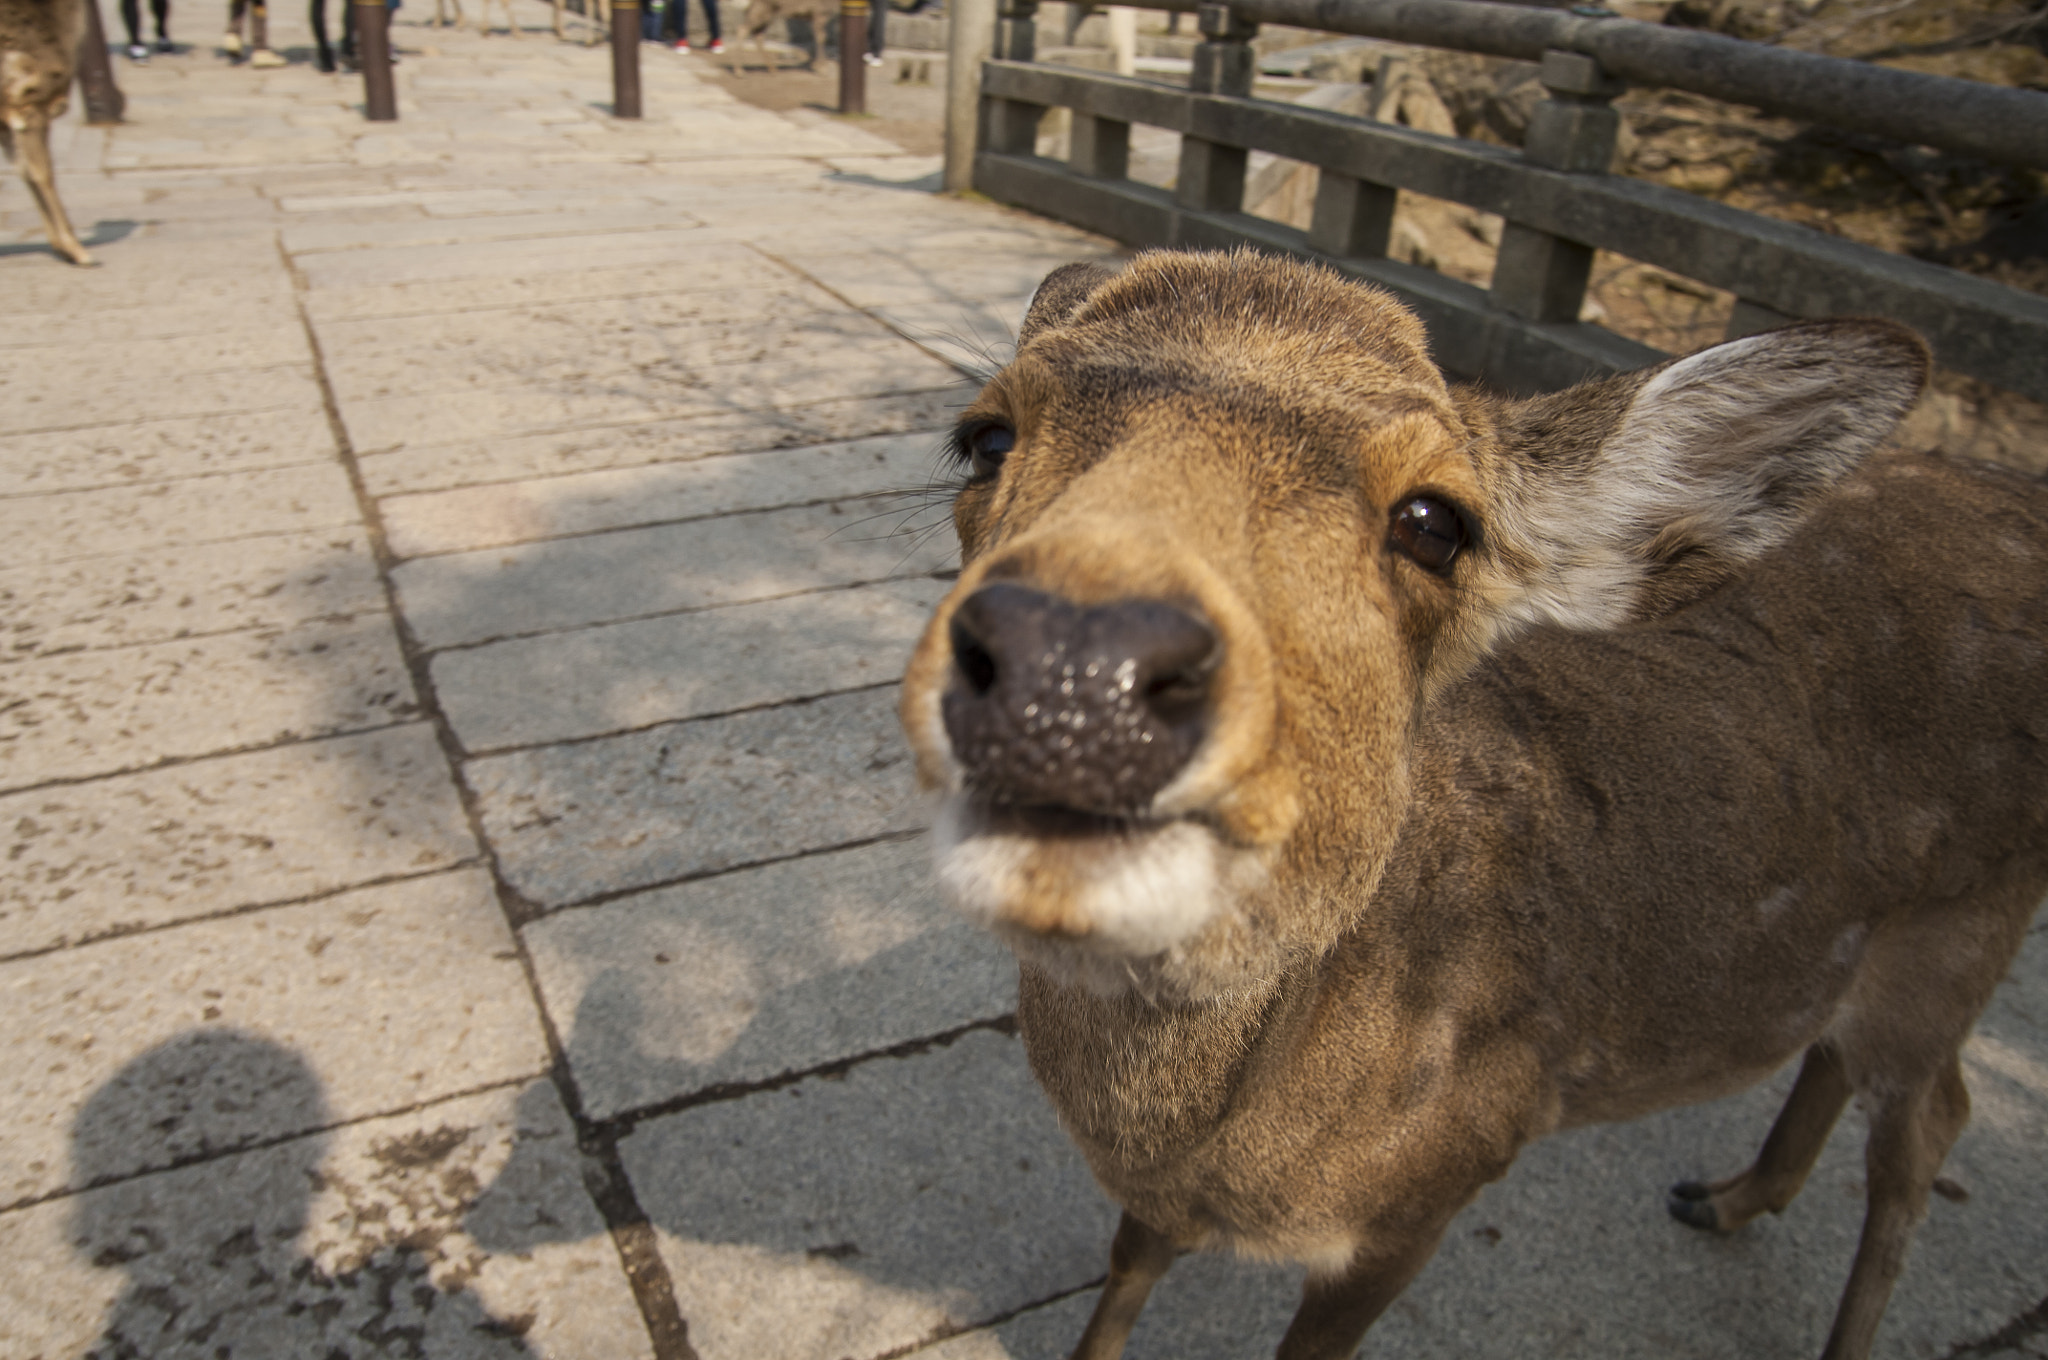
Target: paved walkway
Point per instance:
(462, 895)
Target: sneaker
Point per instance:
(231, 43)
(716, 46)
(137, 52)
(165, 45)
(871, 59)
(266, 58)
(682, 47)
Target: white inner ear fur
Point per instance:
(1722, 449)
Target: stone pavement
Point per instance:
(463, 895)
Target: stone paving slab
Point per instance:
(305, 238)
(177, 591)
(158, 451)
(569, 343)
(213, 836)
(106, 712)
(27, 369)
(518, 590)
(599, 447)
(751, 974)
(392, 995)
(52, 407)
(475, 517)
(270, 302)
(809, 369)
(717, 266)
(964, 1202)
(398, 264)
(622, 676)
(116, 521)
(585, 819)
(421, 1229)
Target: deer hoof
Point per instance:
(1688, 1203)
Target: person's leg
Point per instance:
(713, 38)
(160, 10)
(131, 15)
(878, 15)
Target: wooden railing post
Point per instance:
(373, 50)
(626, 58)
(1011, 126)
(1100, 147)
(1537, 276)
(1212, 175)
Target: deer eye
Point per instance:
(1429, 531)
(984, 445)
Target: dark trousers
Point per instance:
(131, 15)
(676, 19)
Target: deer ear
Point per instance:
(1057, 298)
(1624, 498)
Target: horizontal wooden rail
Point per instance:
(1993, 122)
(1976, 326)
(1466, 336)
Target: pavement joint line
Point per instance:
(129, 932)
(541, 431)
(189, 635)
(255, 536)
(8, 433)
(269, 1141)
(222, 753)
(455, 243)
(638, 525)
(176, 480)
(975, 375)
(943, 1333)
(899, 837)
(626, 1121)
(626, 1222)
(684, 612)
(2007, 1339)
(522, 748)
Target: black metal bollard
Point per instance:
(853, 51)
(626, 58)
(373, 50)
(104, 101)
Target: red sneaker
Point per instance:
(682, 46)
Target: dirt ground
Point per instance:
(901, 107)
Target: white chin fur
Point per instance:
(1132, 896)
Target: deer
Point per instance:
(39, 42)
(1373, 775)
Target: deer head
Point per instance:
(1227, 532)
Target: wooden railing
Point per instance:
(1556, 199)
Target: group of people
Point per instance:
(257, 48)
(668, 22)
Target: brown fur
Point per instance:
(761, 15)
(1718, 744)
(38, 57)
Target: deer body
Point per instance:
(38, 57)
(1416, 890)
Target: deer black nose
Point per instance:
(1094, 707)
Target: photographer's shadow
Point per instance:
(214, 1251)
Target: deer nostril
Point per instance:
(1092, 707)
(977, 667)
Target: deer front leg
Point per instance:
(1138, 1257)
(1336, 1309)
(1909, 1138)
(34, 144)
(1788, 1154)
